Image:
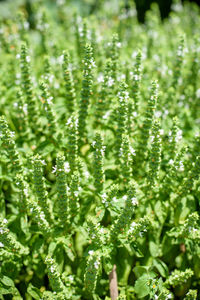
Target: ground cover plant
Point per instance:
(100, 153)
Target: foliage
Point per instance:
(99, 150)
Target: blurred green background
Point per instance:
(90, 6)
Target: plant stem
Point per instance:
(113, 283)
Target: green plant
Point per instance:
(99, 151)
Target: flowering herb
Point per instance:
(100, 159)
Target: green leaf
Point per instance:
(140, 270)
(154, 249)
(160, 211)
(34, 292)
(7, 281)
(52, 248)
(141, 287)
(136, 250)
(161, 267)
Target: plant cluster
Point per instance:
(100, 153)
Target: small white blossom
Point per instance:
(100, 78)
(18, 56)
(1, 245)
(12, 134)
(181, 166)
(198, 93)
(96, 264)
(66, 167)
(104, 197)
(52, 269)
(152, 137)
(161, 131)
(132, 151)
(91, 252)
(106, 115)
(134, 201)
(25, 192)
(5, 221)
(54, 169)
(93, 143)
(110, 81)
(114, 199)
(158, 114)
(87, 174)
(49, 100)
(71, 278)
(135, 114)
(125, 197)
(179, 135)
(28, 59)
(171, 162)
(76, 193)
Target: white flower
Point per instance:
(1, 245)
(132, 151)
(100, 78)
(71, 278)
(106, 115)
(96, 264)
(28, 59)
(12, 134)
(54, 169)
(87, 174)
(181, 166)
(60, 59)
(198, 93)
(66, 167)
(2, 230)
(18, 56)
(5, 221)
(104, 197)
(42, 216)
(52, 269)
(179, 135)
(125, 197)
(136, 77)
(171, 162)
(114, 199)
(158, 114)
(91, 252)
(43, 162)
(152, 137)
(93, 143)
(161, 131)
(25, 192)
(49, 100)
(25, 108)
(76, 193)
(110, 81)
(134, 201)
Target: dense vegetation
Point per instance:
(100, 153)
